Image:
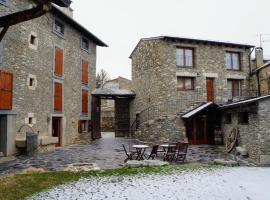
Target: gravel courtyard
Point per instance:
(226, 183)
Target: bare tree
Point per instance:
(102, 78)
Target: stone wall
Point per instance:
(154, 75)
(23, 61)
(255, 136)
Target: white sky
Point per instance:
(121, 23)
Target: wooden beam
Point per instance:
(26, 15)
(3, 32)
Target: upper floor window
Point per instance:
(59, 27)
(85, 44)
(243, 118)
(185, 83)
(58, 61)
(184, 57)
(234, 88)
(4, 2)
(233, 60)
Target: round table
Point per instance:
(140, 148)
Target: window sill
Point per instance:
(184, 66)
(87, 51)
(185, 89)
(61, 77)
(59, 34)
(235, 70)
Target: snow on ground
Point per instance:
(226, 183)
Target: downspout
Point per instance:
(249, 56)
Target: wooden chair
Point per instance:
(154, 152)
(170, 153)
(181, 152)
(128, 154)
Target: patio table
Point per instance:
(140, 148)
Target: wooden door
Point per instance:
(56, 129)
(199, 130)
(210, 89)
(122, 119)
(6, 87)
(95, 116)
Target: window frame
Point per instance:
(231, 90)
(231, 67)
(242, 117)
(184, 56)
(184, 78)
(62, 35)
(84, 38)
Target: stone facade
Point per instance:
(254, 136)
(154, 74)
(24, 61)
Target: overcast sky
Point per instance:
(121, 23)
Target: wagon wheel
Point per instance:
(231, 140)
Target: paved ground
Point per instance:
(244, 183)
(106, 153)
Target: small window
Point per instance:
(184, 57)
(233, 60)
(185, 83)
(59, 27)
(228, 118)
(33, 40)
(30, 120)
(243, 118)
(31, 82)
(85, 44)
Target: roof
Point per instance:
(77, 26)
(108, 92)
(197, 110)
(62, 3)
(116, 79)
(244, 102)
(193, 40)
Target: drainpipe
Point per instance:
(249, 56)
(258, 82)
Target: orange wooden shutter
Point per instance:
(6, 86)
(58, 97)
(84, 101)
(85, 72)
(58, 68)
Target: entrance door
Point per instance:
(95, 117)
(210, 89)
(199, 130)
(56, 129)
(122, 119)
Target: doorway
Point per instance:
(200, 130)
(210, 89)
(56, 129)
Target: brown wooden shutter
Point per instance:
(84, 101)
(85, 72)
(58, 97)
(58, 68)
(6, 87)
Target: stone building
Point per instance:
(47, 73)
(108, 107)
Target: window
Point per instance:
(32, 39)
(58, 62)
(30, 120)
(184, 57)
(84, 101)
(233, 60)
(85, 72)
(185, 83)
(4, 2)
(31, 82)
(59, 27)
(58, 97)
(6, 90)
(228, 118)
(84, 44)
(234, 88)
(243, 118)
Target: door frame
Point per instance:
(59, 119)
(194, 130)
(212, 96)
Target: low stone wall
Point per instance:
(164, 129)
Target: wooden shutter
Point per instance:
(84, 101)
(85, 71)
(58, 68)
(6, 87)
(89, 125)
(58, 97)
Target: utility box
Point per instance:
(31, 143)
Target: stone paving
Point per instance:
(106, 153)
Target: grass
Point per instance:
(19, 186)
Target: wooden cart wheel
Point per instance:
(231, 140)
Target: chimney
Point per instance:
(259, 56)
